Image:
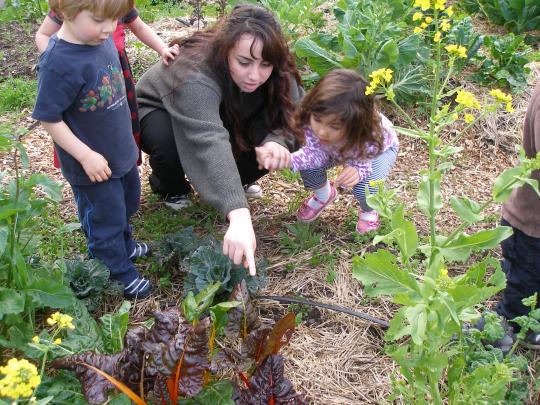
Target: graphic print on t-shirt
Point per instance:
(108, 93)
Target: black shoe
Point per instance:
(178, 202)
(532, 340)
(141, 250)
(140, 288)
(506, 342)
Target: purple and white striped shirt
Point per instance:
(314, 155)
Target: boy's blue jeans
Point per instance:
(521, 263)
(104, 212)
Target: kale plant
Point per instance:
(203, 261)
(90, 281)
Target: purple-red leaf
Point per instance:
(269, 386)
(94, 386)
(279, 336)
(124, 366)
(194, 361)
(166, 326)
(244, 317)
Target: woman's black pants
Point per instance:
(168, 177)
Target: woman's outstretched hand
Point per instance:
(273, 156)
(239, 243)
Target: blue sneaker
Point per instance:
(140, 288)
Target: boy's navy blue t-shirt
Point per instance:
(83, 86)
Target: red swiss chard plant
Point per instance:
(177, 357)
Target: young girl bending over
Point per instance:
(342, 127)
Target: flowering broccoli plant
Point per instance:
(20, 378)
(432, 349)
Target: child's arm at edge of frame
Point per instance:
(47, 28)
(95, 165)
(147, 36)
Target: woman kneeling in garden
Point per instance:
(233, 88)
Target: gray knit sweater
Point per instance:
(201, 139)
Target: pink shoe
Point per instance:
(307, 214)
(363, 226)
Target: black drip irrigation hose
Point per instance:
(292, 300)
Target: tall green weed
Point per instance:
(438, 362)
(26, 284)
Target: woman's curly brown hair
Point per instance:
(213, 46)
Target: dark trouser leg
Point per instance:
(521, 263)
(249, 168)
(157, 140)
(132, 196)
(103, 211)
(314, 178)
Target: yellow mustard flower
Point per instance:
(437, 37)
(439, 4)
(456, 50)
(376, 183)
(379, 76)
(450, 11)
(20, 379)
(443, 280)
(500, 96)
(57, 341)
(455, 116)
(417, 30)
(509, 107)
(423, 4)
(423, 25)
(62, 320)
(467, 99)
(469, 118)
(445, 25)
(35, 339)
(417, 16)
(428, 20)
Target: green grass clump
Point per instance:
(16, 94)
(154, 10)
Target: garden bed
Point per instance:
(333, 358)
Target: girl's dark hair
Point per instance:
(343, 92)
(212, 46)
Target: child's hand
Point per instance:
(96, 167)
(169, 53)
(348, 177)
(273, 156)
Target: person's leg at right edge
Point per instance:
(102, 210)
(521, 264)
(168, 178)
